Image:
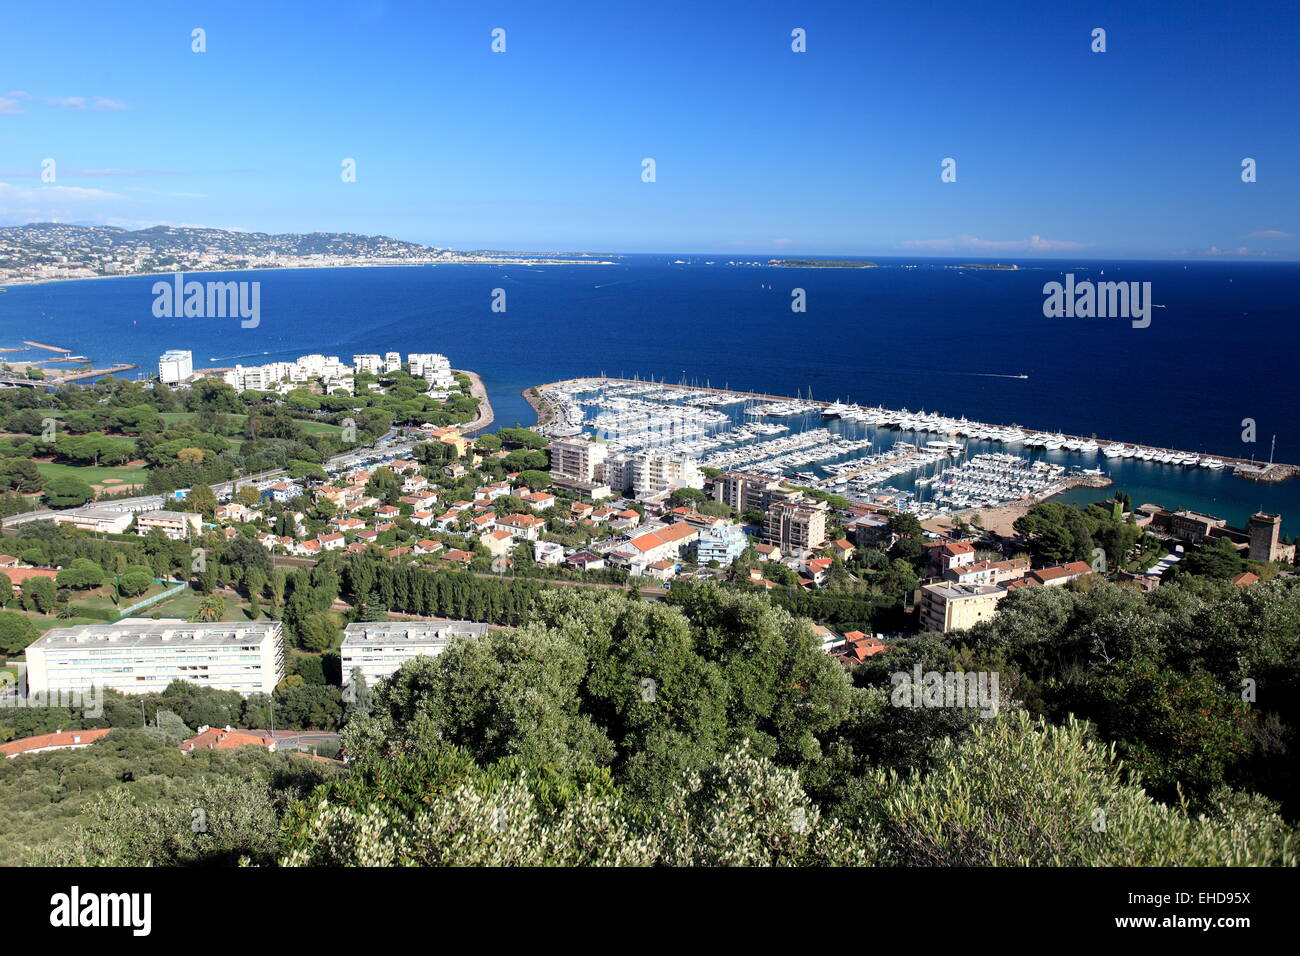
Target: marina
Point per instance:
(930, 463)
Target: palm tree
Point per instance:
(211, 608)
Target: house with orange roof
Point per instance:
(215, 738)
(1061, 574)
(523, 527)
(499, 541)
(60, 740)
(539, 500)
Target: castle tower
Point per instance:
(1263, 530)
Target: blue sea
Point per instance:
(914, 333)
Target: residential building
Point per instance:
(745, 492)
(950, 555)
(523, 527)
(989, 572)
(44, 743)
(432, 367)
(548, 552)
(177, 525)
(104, 520)
(577, 464)
(380, 648)
(656, 471)
(795, 524)
(1062, 574)
(956, 607)
(140, 657)
(723, 542)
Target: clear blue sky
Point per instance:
(1131, 152)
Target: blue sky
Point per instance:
(1132, 152)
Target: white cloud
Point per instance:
(23, 204)
(9, 106)
(966, 242)
(1271, 234)
(82, 102)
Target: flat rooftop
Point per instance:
(951, 591)
(157, 634)
(415, 632)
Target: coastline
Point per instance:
(485, 415)
(22, 282)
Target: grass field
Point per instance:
(187, 602)
(93, 475)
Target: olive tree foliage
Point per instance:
(744, 812)
(1020, 792)
(221, 820)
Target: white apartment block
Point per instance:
(103, 520)
(367, 363)
(270, 377)
(432, 367)
(392, 361)
(177, 525)
(578, 458)
(653, 472)
(141, 657)
(175, 366)
(380, 648)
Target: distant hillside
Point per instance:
(170, 239)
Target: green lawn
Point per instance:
(93, 475)
(187, 602)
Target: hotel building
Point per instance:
(175, 366)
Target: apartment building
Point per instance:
(578, 465)
(103, 520)
(432, 367)
(723, 542)
(956, 607)
(743, 491)
(380, 648)
(795, 524)
(656, 471)
(137, 656)
(177, 525)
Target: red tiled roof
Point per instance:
(214, 738)
(64, 738)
